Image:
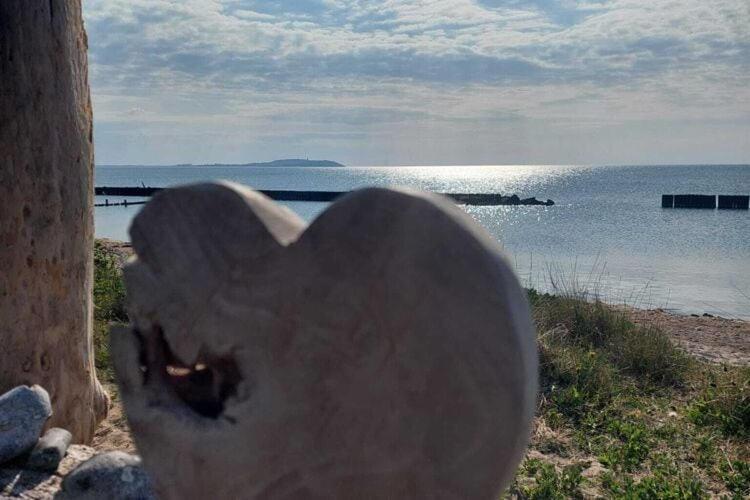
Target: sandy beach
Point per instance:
(710, 338)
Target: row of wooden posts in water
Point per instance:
(480, 199)
(725, 202)
(123, 203)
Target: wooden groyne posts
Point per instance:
(477, 199)
(725, 202)
(732, 202)
(124, 203)
(691, 201)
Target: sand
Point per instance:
(710, 338)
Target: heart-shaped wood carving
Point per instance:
(385, 351)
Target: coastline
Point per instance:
(633, 402)
(707, 337)
(607, 223)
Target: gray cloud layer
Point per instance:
(489, 81)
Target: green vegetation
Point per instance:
(548, 483)
(625, 414)
(109, 306)
(724, 402)
(622, 412)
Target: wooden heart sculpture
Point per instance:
(385, 351)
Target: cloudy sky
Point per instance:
(421, 82)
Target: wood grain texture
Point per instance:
(385, 351)
(46, 220)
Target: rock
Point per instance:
(16, 481)
(534, 201)
(114, 475)
(50, 450)
(23, 412)
(707, 315)
(76, 455)
(27, 484)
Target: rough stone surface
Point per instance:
(49, 450)
(385, 351)
(18, 482)
(23, 413)
(46, 210)
(114, 475)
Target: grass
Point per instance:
(647, 420)
(724, 403)
(549, 483)
(622, 412)
(109, 307)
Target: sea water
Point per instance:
(606, 233)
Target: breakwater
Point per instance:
(725, 202)
(477, 199)
(124, 203)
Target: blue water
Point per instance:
(606, 232)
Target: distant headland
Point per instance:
(287, 162)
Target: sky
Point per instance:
(420, 82)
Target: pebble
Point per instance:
(114, 475)
(50, 450)
(23, 413)
(16, 481)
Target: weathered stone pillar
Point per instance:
(46, 225)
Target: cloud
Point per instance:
(430, 40)
(362, 62)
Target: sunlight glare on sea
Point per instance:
(607, 229)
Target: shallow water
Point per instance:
(607, 231)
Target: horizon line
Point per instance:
(259, 164)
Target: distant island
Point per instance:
(288, 162)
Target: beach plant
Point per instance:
(642, 351)
(666, 478)
(109, 306)
(631, 447)
(657, 486)
(654, 419)
(724, 402)
(109, 288)
(577, 382)
(551, 484)
(705, 450)
(736, 475)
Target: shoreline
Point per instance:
(705, 336)
(628, 399)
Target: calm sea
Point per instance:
(606, 231)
